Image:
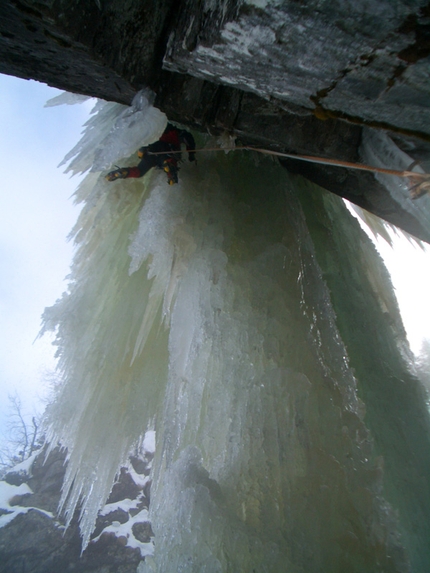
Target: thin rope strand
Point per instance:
(308, 158)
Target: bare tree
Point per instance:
(23, 435)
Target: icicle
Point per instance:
(115, 132)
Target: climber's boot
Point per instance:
(120, 173)
(170, 167)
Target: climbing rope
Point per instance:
(419, 183)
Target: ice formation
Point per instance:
(245, 316)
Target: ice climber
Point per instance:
(171, 140)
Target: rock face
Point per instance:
(36, 541)
(364, 61)
(301, 77)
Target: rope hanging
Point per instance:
(419, 183)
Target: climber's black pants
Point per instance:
(149, 161)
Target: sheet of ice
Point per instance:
(221, 328)
(239, 390)
(203, 312)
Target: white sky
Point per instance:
(408, 263)
(37, 215)
(409, 267)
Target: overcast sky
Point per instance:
(37, 214)
(409, 267)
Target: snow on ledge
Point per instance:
(125, 530)
(8, 493)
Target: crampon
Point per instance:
(120, 173)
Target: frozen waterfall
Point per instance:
(245, 317)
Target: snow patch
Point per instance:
(125, 504)
(149, 441)
(10, 492)
(139, 479)
(125, 530)
(25, 466)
